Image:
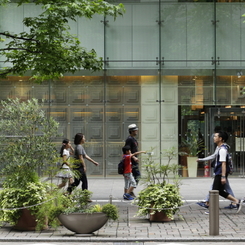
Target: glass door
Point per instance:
(231, 120)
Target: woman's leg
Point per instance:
(73, 185)
(84, 181)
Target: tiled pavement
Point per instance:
(194, 225)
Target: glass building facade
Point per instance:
(175, 68)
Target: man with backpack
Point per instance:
(222, 167)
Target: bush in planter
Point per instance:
(160, 195)
(81, 217)
(26, 148)
(78, 202)
(37, 197)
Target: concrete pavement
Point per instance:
(194, 227)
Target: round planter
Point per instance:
(83, 223)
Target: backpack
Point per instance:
(121, 166)
(229, 161)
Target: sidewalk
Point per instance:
(193, 227)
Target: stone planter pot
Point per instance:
(83, 223)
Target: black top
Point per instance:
(132, 142)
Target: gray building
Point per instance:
(174, 68)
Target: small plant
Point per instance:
(160, 195)
(111, 211)
(79, 203)
(156, 173)
(193, 144)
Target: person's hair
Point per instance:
(223, 135)
(78, 138)
(125, 149)
(64, 143)
(217, 129)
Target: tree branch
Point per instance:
(16, 37)
(28, 50)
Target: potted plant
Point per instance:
(77, 214)
(26, 149)
(160, 199)
(194, 145)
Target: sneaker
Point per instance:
(239, 206)
(126, 196)
(231, 206)
(202, 204)
(207, 212)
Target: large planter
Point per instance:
(27, 221)
(83, 223)
(159, 217)
(192, 166)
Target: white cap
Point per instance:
(132, 127)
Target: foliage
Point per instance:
(47, 49)
(111, 211)
(13, 200)
(193, 144)
(159, 197)
(156, 173)
(159, 194)
(26, 137)
(78, 202)
(27, 148)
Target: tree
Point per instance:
(48, 50)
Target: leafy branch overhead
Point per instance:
(47, 49)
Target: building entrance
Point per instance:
(231, 120)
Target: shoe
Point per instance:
(202, 204)
(126, 196)
(207, 212)
(231, 206)
(239, 206)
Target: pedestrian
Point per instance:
(221, 170)
(129, 181)
(132, 142)
(79, 163)
(227, 187)
(65, 172)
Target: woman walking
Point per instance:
(80, 165)
(65, 172)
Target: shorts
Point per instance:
(129, 181)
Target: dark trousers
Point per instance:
(136, 173)
(83, 178)
(217, 185)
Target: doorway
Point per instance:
(231, 120)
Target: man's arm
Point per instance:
(138, 152)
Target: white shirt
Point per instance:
(67, 154)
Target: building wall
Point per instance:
(161, 58)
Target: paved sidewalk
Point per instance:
(193, 227)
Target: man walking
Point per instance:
(221, 168)
(132, 142)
